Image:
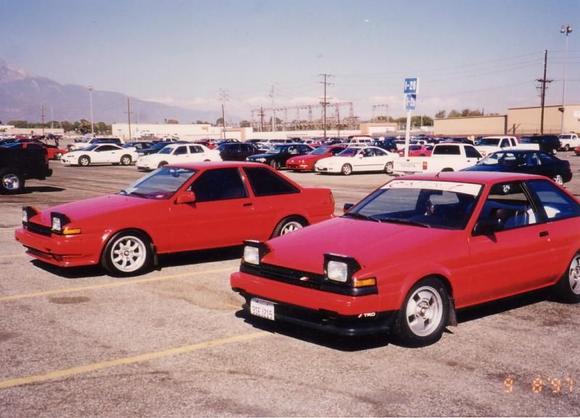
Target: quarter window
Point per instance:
(180, 150)
(267, 183)
(471, 152)
(221, 184)
(556, 203)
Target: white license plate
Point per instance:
(262, 308)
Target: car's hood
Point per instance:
(90, 210)
(370, 243)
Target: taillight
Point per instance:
(424, 165)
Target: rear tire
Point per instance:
(127, 253)
(566, 147)
(446, 170)
(389, 168)
(84, 161)
(275, 164)
(161, 164)
(568, 288)
(424, 314)
(11, 181)
(346, 169)
(289, 225)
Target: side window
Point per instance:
(380, 153)
(337, 150)
(447, 150)
(513, 142)
(471, 152)
(180, 150)
(267, 183)
(105, 148)
(504, 143)
(293, 150)
(556, 203)
(221, 184)
(508, 205)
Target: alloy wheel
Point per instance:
(574, 275)
(128, 254)
(424, 311)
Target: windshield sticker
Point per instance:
(447, 186)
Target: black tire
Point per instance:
(161, 164)
(126, 160)
(447, 170)
(141, 256)
(84, 160)
(275, 165)
(11, 181)
(346, 169)
(389, 168)
(428, 301)
(288, 225)
(567, 147)
(568, 287)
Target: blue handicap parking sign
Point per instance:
(410, 101)
(410, 86)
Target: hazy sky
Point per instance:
(478, 54)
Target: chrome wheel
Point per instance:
(10, 182)
(291, 226)
(424, 311)
(84, 161)
(389, 168)
(347, 169)
(559, 180)
(128, 254)
(126, 160)
(574, 275)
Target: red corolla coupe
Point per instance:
(407, 256)
(307, 162)
(175, 208)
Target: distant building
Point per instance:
(518, 121)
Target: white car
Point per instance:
(355, 159)
(569, 141)
(100, 154)
(177, 153)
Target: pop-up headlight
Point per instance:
(254, 251)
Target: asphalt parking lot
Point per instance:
(172, 342)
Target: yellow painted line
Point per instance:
(88, 368)
(110, 285)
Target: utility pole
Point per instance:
(543, 84)
(91, 106)
(42, 118)
(261, 119)
(566, 30)
(129, 115)
(324, 102)
(224, 97)
(273, 109)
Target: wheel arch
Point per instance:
(282, 219)
(110, 235)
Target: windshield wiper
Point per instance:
(357, 215)
(405, 221)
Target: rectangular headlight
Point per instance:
(27, 213)
(340, 268)
(58, 221)
(254, 251)
(337, 271)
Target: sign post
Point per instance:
(410, 90)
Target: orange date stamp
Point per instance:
(540, 384)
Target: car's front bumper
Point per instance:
(60, 250)
(319, 169)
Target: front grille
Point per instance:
(38, 229)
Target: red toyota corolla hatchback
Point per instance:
(407, 256)
(307, 162)
(173, 209)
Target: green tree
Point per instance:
(245, 124)
(454, 114)
(441, 114)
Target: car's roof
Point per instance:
(217, 164)
(481, 177)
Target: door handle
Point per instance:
(544, 234)
(247, 204)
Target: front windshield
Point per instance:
(165, 150)
(421, 203)
(320, 151)
(565, 137)
(160, 184)
(528, 140)
(276, 149)
(349, 152)
(489, 141)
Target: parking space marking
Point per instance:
(109, 285)
(88, 368)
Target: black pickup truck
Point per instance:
(20, 162)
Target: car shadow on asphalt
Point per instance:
(170, 260)
(352, 344)
(42, 189)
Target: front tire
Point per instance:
(127, 254)
(275, 164)
(126, 160)
(288, 225)
(11, 181)
(568, 288)
(389, 168)
(161, 164)
(84, 161)
(346, 169)
(424, 314)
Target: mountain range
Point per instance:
(22, 96)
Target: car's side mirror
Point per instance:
(347, 207)
(486, 227)
(185, 197)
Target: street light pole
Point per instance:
(91, 105)
(565, 30)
